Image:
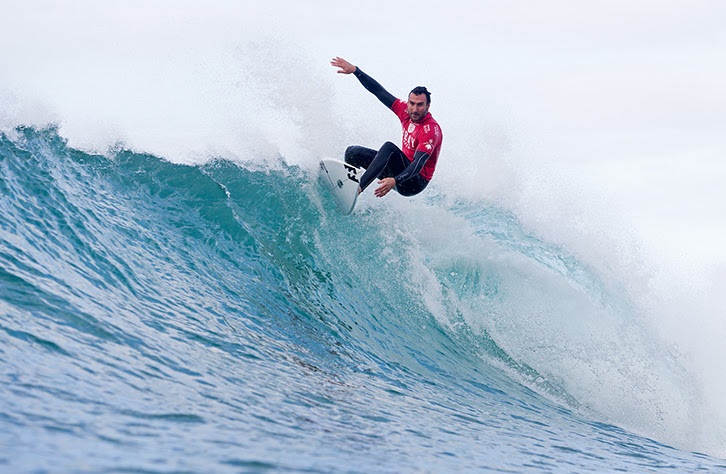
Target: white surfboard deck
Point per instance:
(342, 179)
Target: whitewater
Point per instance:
(178, 292)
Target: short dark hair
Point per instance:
(422, 90)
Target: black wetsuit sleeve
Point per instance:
(375, 88)
(419, 160)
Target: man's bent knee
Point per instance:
(389, 147)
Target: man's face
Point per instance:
(417, 107)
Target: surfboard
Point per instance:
(343, 180)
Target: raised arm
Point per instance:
(344, 67)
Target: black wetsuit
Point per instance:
(389, 161)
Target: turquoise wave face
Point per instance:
(224, 317)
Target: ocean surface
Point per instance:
(159, 317)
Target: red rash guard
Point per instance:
(424, 136)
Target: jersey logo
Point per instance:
(411, 128)
(427, 128)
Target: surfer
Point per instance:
(408, 171)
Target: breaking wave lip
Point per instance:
(498, 292)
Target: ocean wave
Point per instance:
(191, 303)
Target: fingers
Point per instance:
(384, 188)
(345, 66)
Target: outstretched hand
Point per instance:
(345, 66)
